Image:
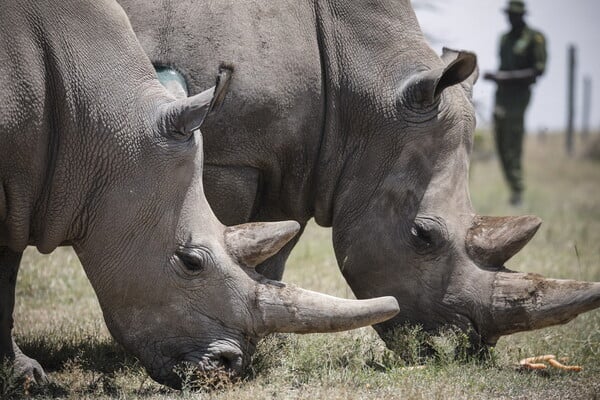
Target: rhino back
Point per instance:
(60, 67)
(269, 128)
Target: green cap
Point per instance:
(516, 7)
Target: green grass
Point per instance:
(58, 320)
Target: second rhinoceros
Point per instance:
(95, 153)
(341, 111)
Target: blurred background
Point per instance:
(476, 25)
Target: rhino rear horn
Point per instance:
(254, 242)
(491, 241)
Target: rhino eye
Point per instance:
(428, 233)
(420, 234)
(195, 259)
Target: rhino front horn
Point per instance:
(491, 241)
(253, 243)
(289, 309)
(522, 302)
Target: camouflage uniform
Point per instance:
(525, 49)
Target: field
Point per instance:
(59, 322)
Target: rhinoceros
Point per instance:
(341, 111)
(95, 153)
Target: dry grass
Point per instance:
(58, 320)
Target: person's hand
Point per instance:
(489, 76)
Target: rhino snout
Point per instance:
(198, 370)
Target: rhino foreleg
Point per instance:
(9, 267)
(9, 351)
(28, 367)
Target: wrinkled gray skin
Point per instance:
(95, 153)
(340, 111)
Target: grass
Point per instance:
(59, 322)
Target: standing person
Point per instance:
(522, 60)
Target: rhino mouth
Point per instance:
(208, 372)
(211, 366)
(478, 341)
(201, 372)
(488, 301)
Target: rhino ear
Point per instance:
(425, 88)
(450, 55)
(186, 115)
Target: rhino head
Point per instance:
(425, 245)
(176, 286)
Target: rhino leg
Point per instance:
(23, 365)
(28, 367)
(9, 267)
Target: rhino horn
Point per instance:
(254, 242)
(522, 302)
(491, 241)
(289, 309)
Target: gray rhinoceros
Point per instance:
(95, 153)
(340, 111)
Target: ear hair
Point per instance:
(222, 86)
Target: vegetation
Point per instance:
(59, 322)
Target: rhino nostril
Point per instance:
(231, 360)
(225, 362)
